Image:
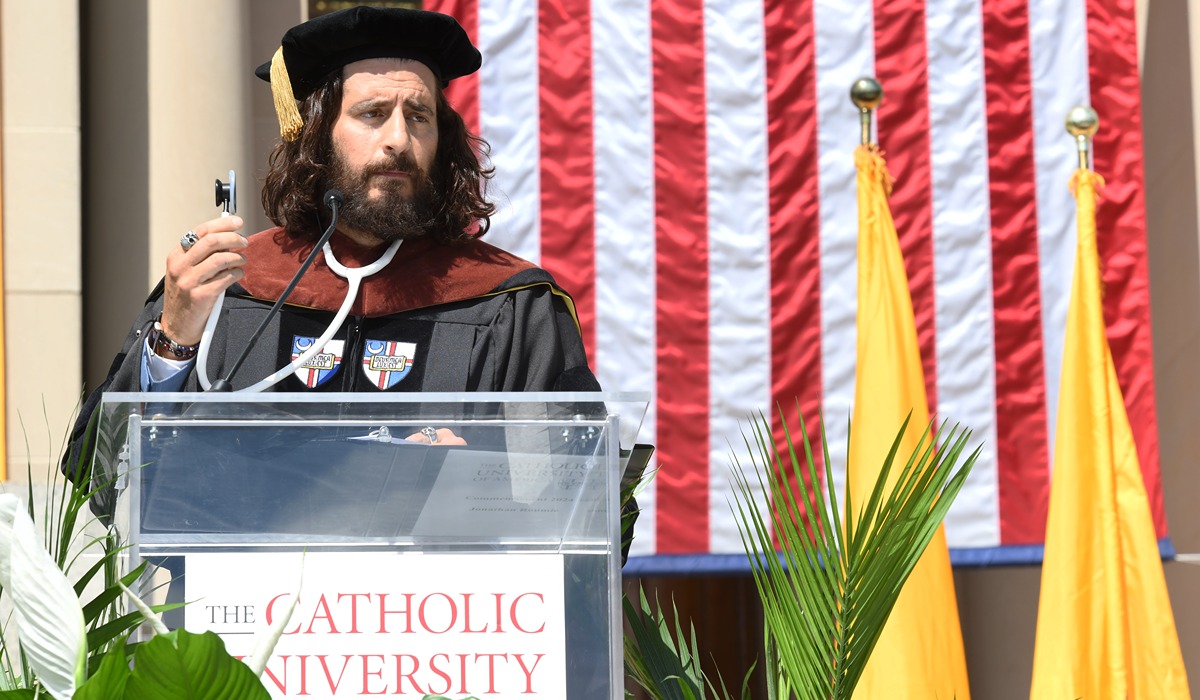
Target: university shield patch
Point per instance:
(386, 363)
(320, 367)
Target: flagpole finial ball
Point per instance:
(866, 93)
(1082, 121)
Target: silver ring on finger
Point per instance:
(187, 240)
(431, 434)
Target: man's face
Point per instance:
(384, 143)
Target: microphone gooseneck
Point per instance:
(333, 200)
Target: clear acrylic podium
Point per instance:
(427, 568)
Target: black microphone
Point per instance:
(332, 199)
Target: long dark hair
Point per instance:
(299, 171)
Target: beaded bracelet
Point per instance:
(161, 344)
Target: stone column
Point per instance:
(41, 227)
(198, 107)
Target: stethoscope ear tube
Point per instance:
(355, 276)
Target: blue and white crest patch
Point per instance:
(386, 362)
(321, 367)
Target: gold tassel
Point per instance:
(290, 121)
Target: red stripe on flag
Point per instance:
(1121, 226)
(795, 215)
(463, 93)
(1021, 434)
(681, 225)
(567, 168)
(901, 67)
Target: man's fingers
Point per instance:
(211, 243)
(445, 436)
(216, 264)
(185, 275)
(216, 285)
(218, 225)
(217, 247)
(222, 228)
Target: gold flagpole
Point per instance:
(866, 94)
(1083, 123)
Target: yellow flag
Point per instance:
(1105, 628)
(920, 654)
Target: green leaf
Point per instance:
(21, 694)
(185, 666)
(122, 625)
(108, 596)
(664, 665)
(109, 680)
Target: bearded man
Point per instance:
(405, 297)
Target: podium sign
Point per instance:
(397, 625)
(491, 569)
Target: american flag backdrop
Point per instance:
(685, 169)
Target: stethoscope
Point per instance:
(353, 275)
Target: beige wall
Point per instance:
(42, 202)
(1171, 107)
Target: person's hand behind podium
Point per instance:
(438, 436)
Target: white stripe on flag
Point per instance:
(1059, 65)
(624, 175)
(739, 293)
(845, 51)
(966, 350)
(508, 120)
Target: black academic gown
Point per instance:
(445, 318)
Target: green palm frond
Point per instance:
(665, 660)
(661, 661)
(828, 579)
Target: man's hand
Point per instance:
(196, 278)
(445, 436)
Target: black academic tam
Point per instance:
(316, 48)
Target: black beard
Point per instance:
(394, 215)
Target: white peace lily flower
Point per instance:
(265, 645)
(149, 615)
(47, 611)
